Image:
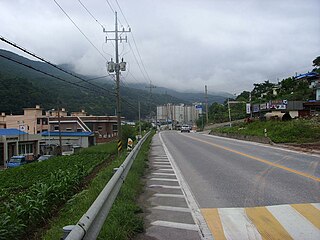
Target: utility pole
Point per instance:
(207, 114)
(229, 110)
(117, 67)
(139, 120)
(60, 139)
(167, 110)
(150, 93)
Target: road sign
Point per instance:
(119, 145)
(130, 144)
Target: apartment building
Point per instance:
(180, 113)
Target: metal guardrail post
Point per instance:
(91, 222)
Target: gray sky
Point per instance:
(184, 44)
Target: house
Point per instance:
(69, 141)
(15, 142)
(104, 128)
(313, 79)
(32, 121)
(312, 108)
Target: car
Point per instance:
(185, 128)
(44, 157)
(16, 161)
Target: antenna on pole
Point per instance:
(117, 67)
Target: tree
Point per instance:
(316, 62)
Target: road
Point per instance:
(236, 182)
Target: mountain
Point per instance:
(189, 97)
(22, 87)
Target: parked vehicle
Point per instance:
(185, 128)
(44, 158)
(16, 161)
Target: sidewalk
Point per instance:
(166, 213)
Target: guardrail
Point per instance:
(91, 222)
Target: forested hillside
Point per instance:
(24, 87)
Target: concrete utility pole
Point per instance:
(139, 120)
(117, 67)
(207, 114)
(59, 123)
(150, 93)
(229, 110)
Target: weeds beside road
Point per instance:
(294, 131)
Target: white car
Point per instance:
(185, 128)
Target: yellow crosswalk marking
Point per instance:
(267, 225)
(309, 212)
(212, 218)
(266, 222)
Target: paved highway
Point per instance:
(224, 172)
(247, 190)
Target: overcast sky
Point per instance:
(184, 44)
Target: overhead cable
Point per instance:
(48, 74)
(80, 30)
(46, 61)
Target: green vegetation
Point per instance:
(123, 220)
(294, 131)
(24, 87)
(288, 89)
(32, 193)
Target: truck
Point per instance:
(17, 161)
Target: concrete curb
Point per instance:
(265, 140)
(258, 139)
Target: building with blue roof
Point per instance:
(15, 142)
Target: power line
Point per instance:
(48, 74)
(46, 61)
(90, 13)
(134, 41)
(122, 13)
(110, 6)
(79, 29)
(144, 76)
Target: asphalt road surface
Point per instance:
(224, 172)
(248, 190)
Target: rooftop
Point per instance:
(11, 132)
(68, 134)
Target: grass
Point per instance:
(294, 131)
(122, 222)
(32, 193)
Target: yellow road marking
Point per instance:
(212, 218)
(309, 212)
(267, 225)
(259, 159)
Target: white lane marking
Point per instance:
(294, 223)
(184, 226)
(164, 174)
(164, 186)
(165, 166)
(175, 209)
(236, 224)
(162, 163)
(316, 205)
(165, 169)
(203, 229)
(263, 145)
(168, 195)
(164, 179)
